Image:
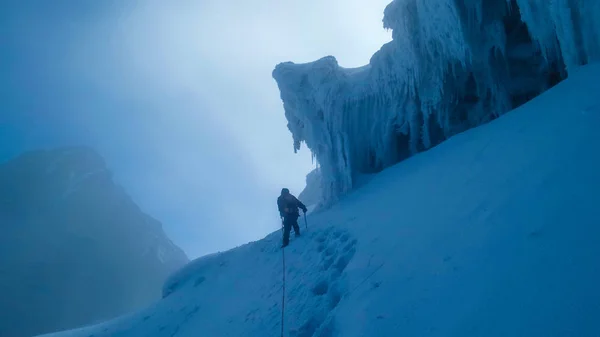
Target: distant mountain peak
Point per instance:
(69, 229)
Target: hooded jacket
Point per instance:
(288, 206)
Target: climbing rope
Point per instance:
(283, 292)
(365, 279)
(283, 265)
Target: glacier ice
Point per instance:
(451, 65)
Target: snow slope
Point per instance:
(492, 233)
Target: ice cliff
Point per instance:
(74, 248)
(452, 65)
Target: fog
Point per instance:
(177, 97)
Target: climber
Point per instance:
(288, 210)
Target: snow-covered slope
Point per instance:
(451, 65)
(74, 248)
(492, 233)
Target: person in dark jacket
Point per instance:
(288, 210)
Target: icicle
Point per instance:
(448, 68)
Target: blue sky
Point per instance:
(177, 96)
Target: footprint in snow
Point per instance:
(336, 249)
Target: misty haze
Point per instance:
(300, 169)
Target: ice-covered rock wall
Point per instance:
(452, 65)
(311, 195)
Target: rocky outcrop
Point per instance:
(311, 195)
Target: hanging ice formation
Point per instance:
(452, 65)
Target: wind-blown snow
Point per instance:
(492, 233)
(452, 65)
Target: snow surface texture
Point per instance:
(452, 65)
(74, 248)
(492, 233)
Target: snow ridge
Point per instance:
(452, 65)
